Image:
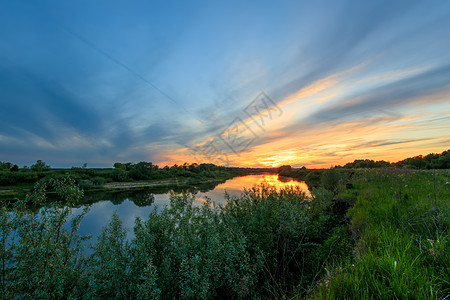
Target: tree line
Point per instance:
(11, 174)
(430, 161)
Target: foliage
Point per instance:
(12, 176)
(367, 163)
(267, 243)
(40, 166)
(331, 179)
(257, 245)
(400, 223)
(119, 175)
(282, 225)
(430, 161)
(7, 166)
(143, 170)
(40, 256)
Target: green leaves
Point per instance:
(255, 246)
(40, 256)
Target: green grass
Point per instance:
(267, 243)
(400, 223)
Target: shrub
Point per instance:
(40, 257)
(98, 181)
(119, 175)
(330, 180)
(261, 244)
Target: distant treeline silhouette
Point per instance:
(430, 161)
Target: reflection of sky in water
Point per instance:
(101, 212)
(235, 186)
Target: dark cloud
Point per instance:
(134, 79)
(39, 106)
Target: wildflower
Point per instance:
(406, 185)
(353, 265)
(438, 241)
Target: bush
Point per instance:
(13, 178)
(313, 178)
(119, 175)
(331, 179)
(86, 184)
(257, 245)
(42, 258)
(98, 181)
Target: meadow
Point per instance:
(400, 225)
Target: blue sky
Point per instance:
(103, 81)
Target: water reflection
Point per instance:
(235, 186)
(131, 204)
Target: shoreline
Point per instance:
(9, 194)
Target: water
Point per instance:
(132, 204)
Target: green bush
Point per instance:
(331, 179)
(40, 257)
(258, 245)
(119, 175)
(98, 181)
(13, 178)
(282, 225)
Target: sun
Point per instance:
(278, 160)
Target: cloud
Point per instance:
(390, 96)
(138, 81)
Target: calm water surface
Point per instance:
(129, 205)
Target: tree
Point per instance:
(285, 170)
(120, 166)
(143, 170)
(5, 166)
(40, 166)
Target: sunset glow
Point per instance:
(300, 83)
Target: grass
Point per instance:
(400, 223)
(393, 243)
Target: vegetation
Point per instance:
(400, 224)
(22, 180)
(257, 245)
(430, 161)
(378, 233)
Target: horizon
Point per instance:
(254, 84)
(85, 166)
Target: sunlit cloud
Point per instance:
(141, 81)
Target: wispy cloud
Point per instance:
(102, 82)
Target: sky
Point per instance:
(237, 83)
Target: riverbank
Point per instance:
(15, 182)
(21, 191)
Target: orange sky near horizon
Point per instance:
(301, 136)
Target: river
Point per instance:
(132, 204)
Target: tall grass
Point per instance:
(401, 224)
